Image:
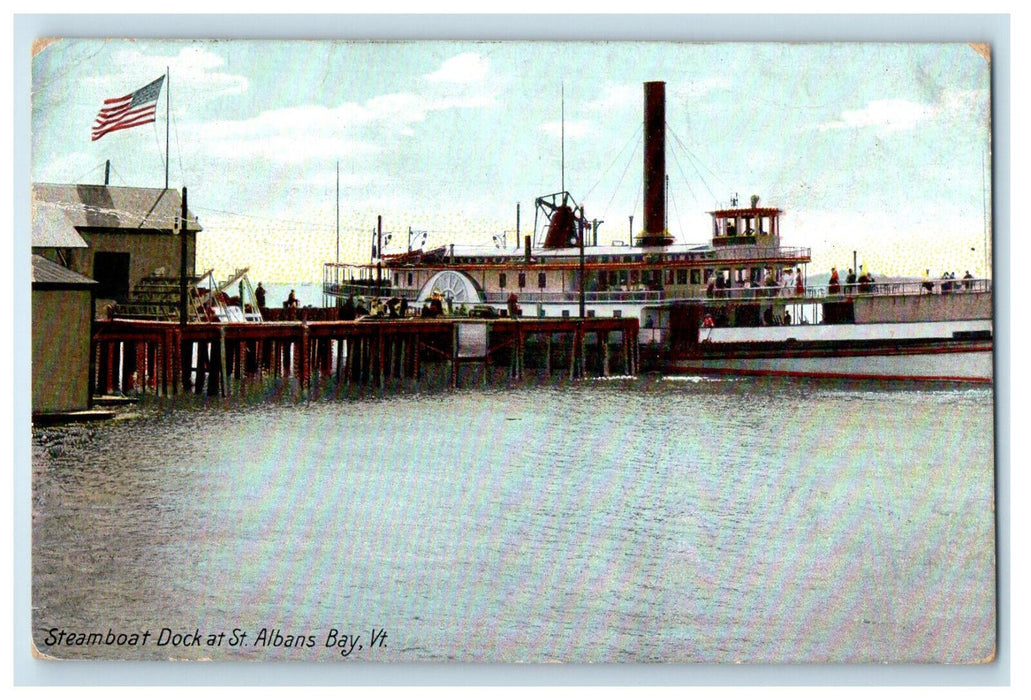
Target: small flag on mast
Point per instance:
(134, 109)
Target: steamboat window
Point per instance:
(682, 276)
(696, 276)
(618, 313)
(669, 277)
(409, 279)
(522, 280)
(708, 274)
(502, 280)
(542, 280)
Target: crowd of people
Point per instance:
(863, 283)
(792, 283)
(948, 282)
(437, 305)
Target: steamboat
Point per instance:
(738, 304)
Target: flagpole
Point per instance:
(338, 211)
(168, 102)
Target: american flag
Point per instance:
(134, 109)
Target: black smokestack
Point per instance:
(654, 165)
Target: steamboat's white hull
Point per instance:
(929, 351)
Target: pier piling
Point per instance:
(218, 360)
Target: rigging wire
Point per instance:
(636, 133)
(90, 172)
(696, 162)
(179, 149)
(680, 224)
(623, 176)
(687, 182)
(157, 140)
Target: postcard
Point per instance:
(512, 352)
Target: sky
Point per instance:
(878, 148)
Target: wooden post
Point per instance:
(415, 359)
(583, 348)
(305, 368)
(636, 345)
(604, 338)
(175, 361)
(341, 371)
(202, 361)
(381, 352)
(146, 349)
(454, 355)
(572, 357)
(222, 360)
(547, 362)
(625, 344)
(216, 369)
(520, 358)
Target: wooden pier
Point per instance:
(213, 359)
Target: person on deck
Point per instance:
(259, 296)
(927, 283)
(513, 305)
(799, 283)
(834, 286)
(850, 282)
(348, 310)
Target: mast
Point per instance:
(168, 117)
(338, 211)
(563, 143)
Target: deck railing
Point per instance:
(814, 293)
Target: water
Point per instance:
(621, 520)
(307, 293)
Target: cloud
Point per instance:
(192, 66)
(574, 129)
(889, 115)
(463, 68)
(624, 96)
(293, 134)
(617, 97)
(899, 115)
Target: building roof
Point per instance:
(105, 206)
(49, 274)
(51, 227)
